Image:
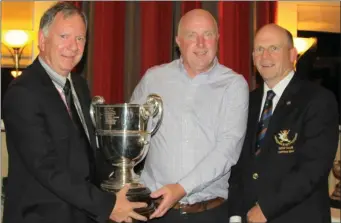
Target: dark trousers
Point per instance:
(215, 215)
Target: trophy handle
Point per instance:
(97, 100)
(157, 109)
(145, 143)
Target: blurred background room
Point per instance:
(125, 38)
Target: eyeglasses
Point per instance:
(273, 49)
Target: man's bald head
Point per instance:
(274, 53)
(279, 30)
(198, 41)
(192, 15)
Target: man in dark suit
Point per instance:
(50, 139)
(290, 144)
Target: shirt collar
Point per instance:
(55, 77)
(280, 86)
(182, 68)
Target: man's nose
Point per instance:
(200, 41)
(73, 45)
(266, 53)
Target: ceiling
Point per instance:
(318, 16)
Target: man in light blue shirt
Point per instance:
(202, 132)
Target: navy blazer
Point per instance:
(289, 177)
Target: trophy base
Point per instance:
(136, 193)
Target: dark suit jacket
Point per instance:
(48, 180)
(289, 177)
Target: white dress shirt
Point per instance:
(278, 89)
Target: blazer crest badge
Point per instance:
(285, 142)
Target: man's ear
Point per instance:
(177, 40)
(253, 58)
(41, 40)
(293, 54)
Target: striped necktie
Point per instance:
(264, 120)
(73, 111)
(79, 126)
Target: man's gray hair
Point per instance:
(67, 8)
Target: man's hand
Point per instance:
(255, 215)
(170, 193)
(124, 209)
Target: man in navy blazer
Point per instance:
(290, 144)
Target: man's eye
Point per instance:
(273, 48)
(63, 36)
(259, 49)
(80, 38)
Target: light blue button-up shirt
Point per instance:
(202, 130)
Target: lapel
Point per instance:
(53, 97)
(50, 92)
(255, 106)
(283, 108)
(84, 102)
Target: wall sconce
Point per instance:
(303, 44)
(15, 41)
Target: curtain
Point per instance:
(108, 58)
(127, 38)
(156, 33)
(189, 5)
(266, 12)
(234, 42)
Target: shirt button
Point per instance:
(255, 176)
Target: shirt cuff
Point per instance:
(235, 219)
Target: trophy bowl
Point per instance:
(123, 132)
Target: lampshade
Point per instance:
(303, 44)
(15, 38)
(16, 73)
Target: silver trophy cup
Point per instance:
(123, 132)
